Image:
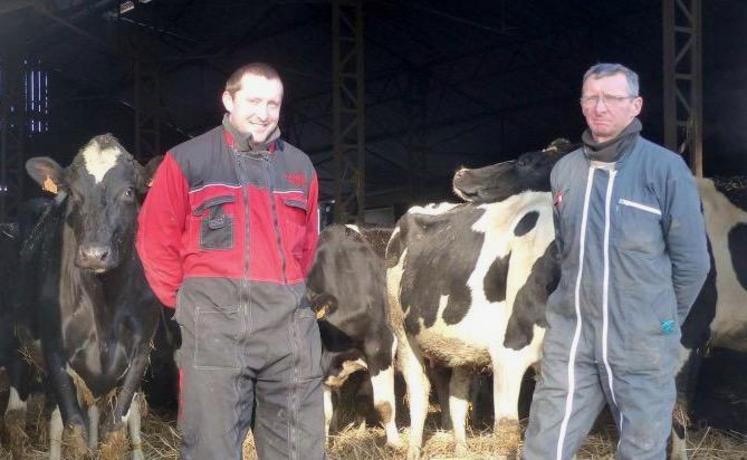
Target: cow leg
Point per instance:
(458, 406)
(418, 389)
(509, 367)
(380, 357)
(93, 426)
(133, 423)
(55, 434)
(65, 394)
(328, 410)
(441, 377)
(15, 411)
(115, 438)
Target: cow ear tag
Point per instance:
(150, 182)
(322, 312)
(49, 186)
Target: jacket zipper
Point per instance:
(294, 335)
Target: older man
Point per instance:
(227, 235)
(633, 258)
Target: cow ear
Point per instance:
(47, 173)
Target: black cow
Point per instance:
(90, 310)
(12, 357)
(348, 290)
(463, 276)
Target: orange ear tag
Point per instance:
(49, 185)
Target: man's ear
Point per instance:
(227, 101)
(47, 173)
(149, 171)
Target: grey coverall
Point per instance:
(633, 258)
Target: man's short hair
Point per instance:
(261, 69)
(606, 69)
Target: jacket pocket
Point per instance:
(217, 333)
(216, 227)
(639, 227)
(294, 213)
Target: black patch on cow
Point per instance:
(495, 279)
(526, 224)
(734, 189)
(738, 251)
(441, 254)
(696, 330)
(531, 300)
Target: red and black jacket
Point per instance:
(215, 212)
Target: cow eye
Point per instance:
(129, 193)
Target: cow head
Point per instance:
(495, 183)
(102, 188)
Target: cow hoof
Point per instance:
(508, 436)
(395, 444)
(15, 427)
(115, 445)
(413, 453)
(74, 442)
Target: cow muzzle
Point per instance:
(96, 258)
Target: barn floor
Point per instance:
(356, 440)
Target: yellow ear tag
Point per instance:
(322, 312)
(49, 185)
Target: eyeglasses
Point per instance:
(608, 99)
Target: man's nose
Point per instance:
(600, 105)
(262, 112)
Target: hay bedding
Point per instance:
(356, 442)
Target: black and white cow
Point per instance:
(719, 316)
(348, 289)
(461, 277)
(90, 310)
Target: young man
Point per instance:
(633, 258)
(227, 235)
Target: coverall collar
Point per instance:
(613, 150)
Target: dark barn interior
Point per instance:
(424, 87)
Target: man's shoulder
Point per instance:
(294, 155)
(569, 164)
(660, 157)
(197, 143)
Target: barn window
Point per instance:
(37, 97)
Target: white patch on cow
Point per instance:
(433, 209)
(93, 426)
(133, 423)
(458, 407)
(385, 400)
(329, 410)
(354, 228)
(15, 403)
(684, 355)
(728, 326)
(55, 434)
(99, 161)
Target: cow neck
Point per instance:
(85, 289)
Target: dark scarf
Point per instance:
(243, 142)
(611, 150)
